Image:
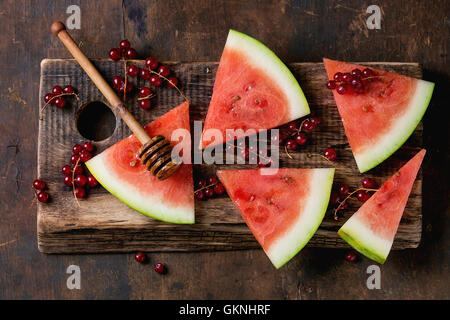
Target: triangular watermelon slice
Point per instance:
(118, 170)
(253, 90)
(378, 121)
(282, 207)
(371, 230)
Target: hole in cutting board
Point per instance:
(95, 121)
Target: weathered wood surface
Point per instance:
(196, 31)
(104, 224)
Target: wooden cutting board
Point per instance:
(104, 224)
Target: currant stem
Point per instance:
(146, 97)
(309, 155)
(206, 187)
(341, 203)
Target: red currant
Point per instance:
(262, 163)
(338, 76)
(350, 256)
(367, 72)
(245, 153)
(81, 180)
(199, 195)
(80, 192)
(133, 71)
(164, 71)
(125, 44)
(151, 62)
(92, 182)
(74, 158)
(330, 154)
(60, 102)
(66, 169)
(347, 77)
(316, 121)
(114, 54)
(308, 125)
(219, 189)
(301, 138)
(334, 198)
(155, 80)
(130, 53)
(117, 82)
(341, 89)
(85, 156)
(369, 183)
(356, 73)
(39, 184)
(130, 87)
(48, 97)
(344, 189)
(159, 268)
(331, 84)
(173, 82)
(293, 127)
(68, 180)
(209, 192)
(140, 257)
(68, 89)
(42, 196)
(362, 195)
(145, 92)
(145, 74)
(145, 104)
(76, 149)
(291, 145)
(77, 170)
(89, 147)
(57, 90)
(212, 180)
(202, 183)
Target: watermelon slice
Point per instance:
(371, 230)
(282, 207)
(118, 170)
(379, 121)
(253, 90)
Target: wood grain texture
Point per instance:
(104, 224)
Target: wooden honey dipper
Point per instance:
(156, 152)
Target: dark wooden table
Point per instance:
(411, 31)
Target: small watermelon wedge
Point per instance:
(253, 89)
(371, 230)
(119, 171)
(378, 121)
(282, 207)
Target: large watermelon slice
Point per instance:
(253, 90)
(118, 170)
(282, 207)
(379, 121)
(371, 230)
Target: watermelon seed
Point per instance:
(288, 180)
(269, 201)
(252, 197)
(132, 163)
(236, 98)
(256, 101)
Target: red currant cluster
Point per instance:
(342, 193)
(41, 194)
(249, 153)
(141, 257)
(74, 176)
(355, 81)
(56, 97)
(153, 71)
(209, 188)
(293, 138)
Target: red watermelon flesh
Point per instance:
(378, 121)
(282, 207)
(253, 90)
(119, 170)
(371, 230)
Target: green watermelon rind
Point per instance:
(363, 240)
(152, 207)
(285, 249)
(265, 59)
(401, 131)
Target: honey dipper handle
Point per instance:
(59, 29)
